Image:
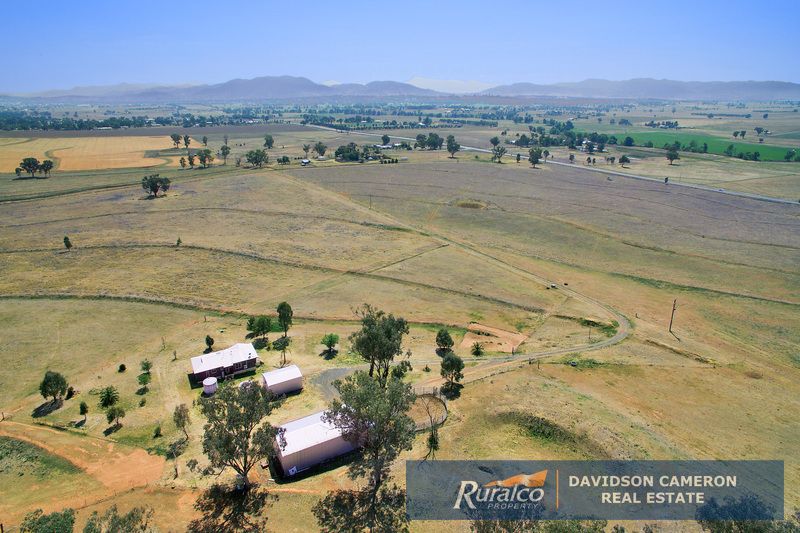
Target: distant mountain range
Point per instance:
(644, 88)
(290, 87)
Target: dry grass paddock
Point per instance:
(330, 238)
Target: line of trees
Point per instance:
(31, 165)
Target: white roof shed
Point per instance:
(310, 441)
(283, 380)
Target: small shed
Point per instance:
(209, 386)
(309, 441)
(283, 380)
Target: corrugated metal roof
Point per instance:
(281, 375)
(306, 432)
(237, 353)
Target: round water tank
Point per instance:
(210, 385)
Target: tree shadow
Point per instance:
(46, 408)
(79, 423)
(329, 354)
(110, 430)
(226, 509)
(441, 352)
(451, 391)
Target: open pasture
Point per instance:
(438, 241)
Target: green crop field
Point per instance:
(716, 145)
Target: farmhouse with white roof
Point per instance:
(239, 358)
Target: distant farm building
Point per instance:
(310, 441)
(238, 358)
(283, 380)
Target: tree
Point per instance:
(545, 155)
(176, 139)
(137, 520)
(434, 141)
(736, 134)
(209, 343)
(205, 140)
(519, 157)
(385, 139)
(258, 327)
(146, 366)
(269, 142)
(155, 183)
(498, 152)
(114, 413)
(109, 396)
(206, 157)
(67, 243)
(84, 410)
(46, 167)
(628, 141)
(56, 522)
(144, 380)
(452, 146)
(306, 149)
(257, 158)
(379, 340)
(186, 141)
(624, 160)
(283, 160)
(30, 165)
(235, 434)
(452, 366)
(495, 141)
(571, 158)
(477, 349)
(422, 141)
(534, 156)
(444, 342)
(747, 514)
(375, 418)
(54, 386)
(330, 340)
(225, 151)
(320, 148)
(282, 344)
(190, 157)
(183, 162)
(285, 314)
(181, 418)
(672, 155)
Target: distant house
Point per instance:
(310, 441)
(283, 380)
(238, 358)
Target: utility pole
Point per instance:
(672, 317)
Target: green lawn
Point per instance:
(716, 145)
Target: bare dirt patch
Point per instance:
(492, 339)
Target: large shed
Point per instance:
(310, 441)
(283, 380)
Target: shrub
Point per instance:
(157, 431)
(122, 368)
(261, 344)
(477, 349)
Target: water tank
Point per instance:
(210, 386)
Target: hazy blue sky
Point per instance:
(60, 44)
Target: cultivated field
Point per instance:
(439, 241)
(91, 153)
